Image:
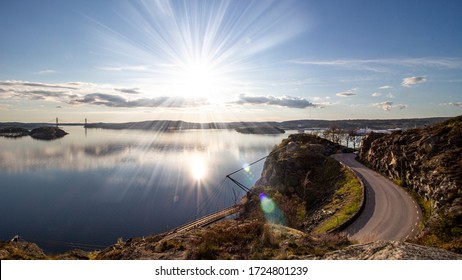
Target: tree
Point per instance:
(333, 134)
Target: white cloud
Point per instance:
(348, 93)
(376, 94)
(390, 95)
(283, 101)
(410, 81)
(389, 105)
(128, 90)
(129, 68)
(385, 87)
(384, 105)
(401, 106)
(86, 93)
(384, 64)
(46, 71)
(456, 104)
(113, 100)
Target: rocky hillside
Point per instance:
(391, 250)
(429, 162)
(301, 178)
(238, 240)
(301, 188)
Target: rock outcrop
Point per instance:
(47, 133)
(428, 161)
(391, 250)
(18, 249)
(302, 179)
(13, 132)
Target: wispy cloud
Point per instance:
(44, 85)
(376, 94)
(383, 64)
(112, 100)
(386, 87)
(93, 94)
(389, 105)
(46, 71)
(410, 81)
(348, 93)
(456, 104)
(128, 90)
(390, 95)
(128, 68)
(283, 101)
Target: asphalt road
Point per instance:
(389, 214)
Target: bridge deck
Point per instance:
(207, 220)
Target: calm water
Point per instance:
(96, 186)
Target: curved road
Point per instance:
(389, 214)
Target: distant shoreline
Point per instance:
(169, 125)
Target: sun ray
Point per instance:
(205, 49)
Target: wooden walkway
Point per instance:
(207, 220)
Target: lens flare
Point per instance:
(246, 167)
(267, 204)
(271, 211)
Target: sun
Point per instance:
(198, 80)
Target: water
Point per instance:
(93, 187)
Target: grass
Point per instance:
(344, 204)
(257, 240)
(398, 182)
(445, 233)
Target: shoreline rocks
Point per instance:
(40, 133)
(47, 133)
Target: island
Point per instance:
(47, 133)
(13, 132)
(40, 133)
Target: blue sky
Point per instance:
(229, 60)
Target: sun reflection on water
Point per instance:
(198, 168)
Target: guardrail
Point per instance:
(353, 217)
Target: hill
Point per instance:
(428, 162)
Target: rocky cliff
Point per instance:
(304, 182)
(429, 162)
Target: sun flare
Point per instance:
(198, 80)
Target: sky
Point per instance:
(120, 61)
